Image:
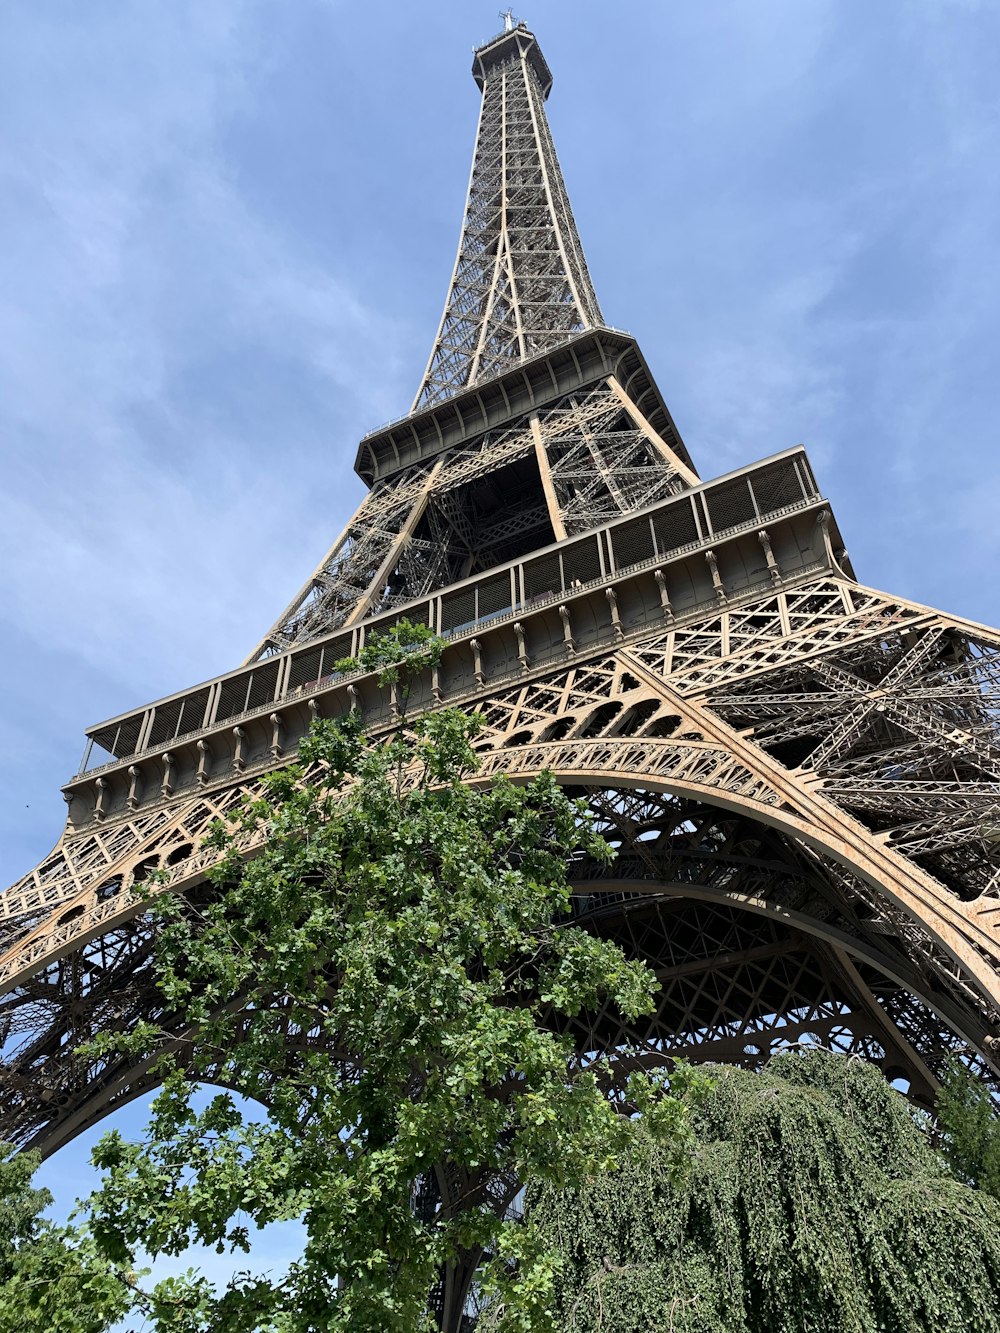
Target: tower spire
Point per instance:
(520, 284)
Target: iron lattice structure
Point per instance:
(800, 774)
(521, 283)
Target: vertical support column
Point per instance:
(134, 787)
(655, 439)
(88, 751)
(147, 726)
(616, 620)
(568, 639)
(522, 651)
(277, 735)
(477, 662)
(284, 671)
(555, 513)
(212, 703)
(661, 583)
(823, 523)
(363, 604)
(204, 763)
(713, 566)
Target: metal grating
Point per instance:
(177, 717)
(166, 720)
(632, 543)
(306, 668)
(263, 684)
(457, 610)
(495, 596)
(233, 697)
(731, 505)
(778, 485)
(121, 739)
(542, 577)
(336, 650)
(581, 563)
(675, 527)
(193, 707)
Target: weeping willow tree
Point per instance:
(968, 1128)
(813, 1202)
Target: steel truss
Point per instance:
(710, 826)
(593, 456)
(800, 775)
(520, 283)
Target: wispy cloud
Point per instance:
(811, 257)
(166, 361)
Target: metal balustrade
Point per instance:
(718, 510)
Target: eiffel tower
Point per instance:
(800, 774)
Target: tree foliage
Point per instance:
(814, 1202)
(396, 655)
(969, 1129)
(52, 1279)
(388, 976)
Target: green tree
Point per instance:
(52, 1279)
(969, 1129)
(388, 975)
(814, 1201)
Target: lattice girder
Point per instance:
(699, 810)
(520, 283)
(753, 869)
(585, 458)
(903, 733)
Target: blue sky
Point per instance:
(226, 234)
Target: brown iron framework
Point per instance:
(800, 775)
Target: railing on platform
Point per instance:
(696, 518)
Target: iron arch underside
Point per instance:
(758, 939)
(830, 716)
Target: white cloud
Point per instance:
(138, 517)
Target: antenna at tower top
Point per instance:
(508, 19)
